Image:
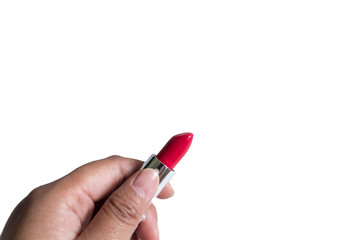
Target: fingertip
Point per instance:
(167, 192)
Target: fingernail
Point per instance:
(144, 183)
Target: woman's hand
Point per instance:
(104, 199)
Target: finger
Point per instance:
(148, 229)
(121, 213)
(92, 182)
(99, 178)
(167, 192)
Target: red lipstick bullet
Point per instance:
(175, 149)
(168, 157)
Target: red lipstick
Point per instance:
(175, 149)
(168, 157)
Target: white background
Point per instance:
(270, 90)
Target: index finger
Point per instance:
(99, 178)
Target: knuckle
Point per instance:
(123, 210)
(36, 192)
(35, 195)
(115, 157)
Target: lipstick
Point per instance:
(168, 158)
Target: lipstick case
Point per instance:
(165, 173)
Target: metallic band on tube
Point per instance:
(165, 173)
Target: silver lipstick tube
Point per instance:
(165, 173)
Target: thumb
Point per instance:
(121, 213)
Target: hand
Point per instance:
(104, 199)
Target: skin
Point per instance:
(104, 199)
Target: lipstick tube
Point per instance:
(165, 173)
